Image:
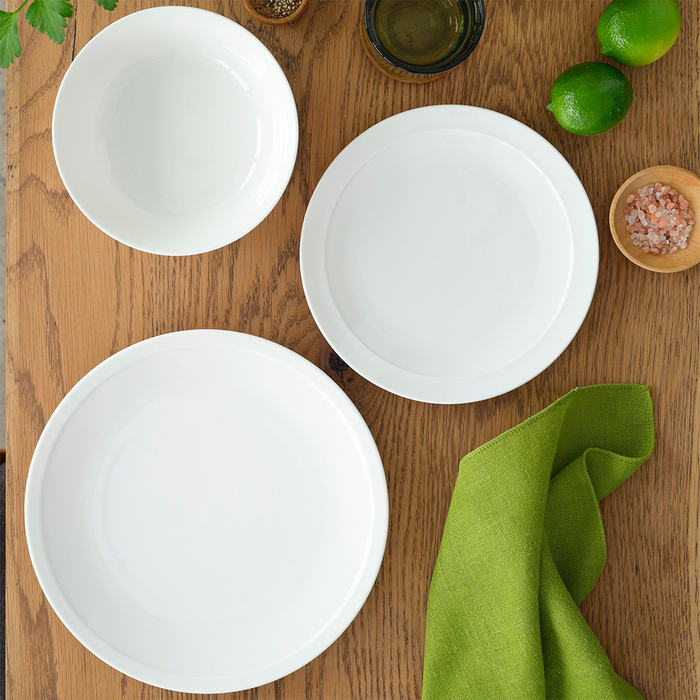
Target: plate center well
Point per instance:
(448, 254)
(189, 494)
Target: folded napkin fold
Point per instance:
(524, 545)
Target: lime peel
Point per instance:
(638, 32)
(590, 98)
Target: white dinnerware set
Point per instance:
(207, 511)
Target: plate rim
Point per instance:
(193, 248)
(319, 294)
(40, 462)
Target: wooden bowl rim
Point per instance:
(613, 228)
(272, 20)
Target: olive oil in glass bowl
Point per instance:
(419, 40)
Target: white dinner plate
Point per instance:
(449, 254)
(175, 131)
(206, 511)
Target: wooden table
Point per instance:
(75, 297)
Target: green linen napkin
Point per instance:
(524, 545)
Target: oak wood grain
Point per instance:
(76, 296)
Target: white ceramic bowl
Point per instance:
(175, 131)
(206, 511)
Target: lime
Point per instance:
(590, 98)
(638, 32)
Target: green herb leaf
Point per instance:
(49, 17)
(107, 4)
(9, 39)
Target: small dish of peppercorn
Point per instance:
(276, 11)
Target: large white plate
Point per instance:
(175, 131)
(206, 511)
(449, 254)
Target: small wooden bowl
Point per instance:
(250, 6)
(687, 184)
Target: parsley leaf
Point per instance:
(49, 17)
(9, 39)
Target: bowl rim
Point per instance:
(613, 227)
(197, 245)
(64, 413)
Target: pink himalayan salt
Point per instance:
(659, 219)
